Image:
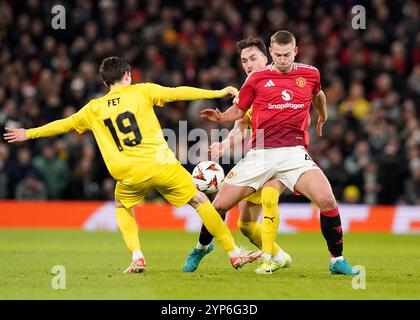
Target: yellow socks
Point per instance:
(216, 226)
(128, 227)
(252, 230)
(270, 219)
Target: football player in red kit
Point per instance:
(281, 95)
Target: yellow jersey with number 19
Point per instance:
(126, 128)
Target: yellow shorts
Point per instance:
(255, 198)
(174, 183)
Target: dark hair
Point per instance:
(251, 42)
(283, 37)
(112, 69)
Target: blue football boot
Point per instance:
(342, 267)
(193, 260)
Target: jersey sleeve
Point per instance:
(78, 121)
(317, 85)
(160, 95)
(247, 94)
(81, 120)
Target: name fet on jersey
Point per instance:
(281, 103)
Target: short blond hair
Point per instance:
(283, 37)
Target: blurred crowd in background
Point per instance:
(370, 149)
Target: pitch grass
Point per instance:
(94, 262)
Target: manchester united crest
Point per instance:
(301, 82)
(230, 175)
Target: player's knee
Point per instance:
(268, 203)
(201, 198)
(198, 199)
(118, 203)
(245, 227)
(326, 202)
(269, 197)
(220, 207)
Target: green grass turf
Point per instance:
(94, 262)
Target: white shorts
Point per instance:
(286, 164)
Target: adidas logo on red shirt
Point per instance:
(269, 83)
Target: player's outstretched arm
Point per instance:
(162, 94)
(51, 129)
(15, 135)
(230, 115)
(217, 149)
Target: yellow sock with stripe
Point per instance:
(252, 230)
(128, 227)
(270, 220)
(216, 226)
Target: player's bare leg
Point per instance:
(217, 227)
(238, 193)
(128, 227)
(229, 196)
(314, 185)
(248, 211)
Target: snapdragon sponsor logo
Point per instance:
(287, 95)
(192, 146)
(282, 106)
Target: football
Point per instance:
(208, 176)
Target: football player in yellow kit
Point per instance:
(136, 154)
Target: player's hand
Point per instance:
(319, 125)
(15, 135)
(211, 114)
(216, 150)
(235, 101)
(232, 91)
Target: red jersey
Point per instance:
(280, 103)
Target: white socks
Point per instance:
(199, 246)
(266, 256)
(236, 252)
(280, 256)
(334, 259)
(137, 255)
